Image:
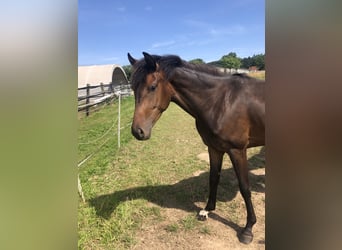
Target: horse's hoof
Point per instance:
(203, 215)
(246, 237)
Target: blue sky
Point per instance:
(206, 29)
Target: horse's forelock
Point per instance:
(167, 64)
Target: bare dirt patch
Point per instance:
(218, 232)
(221, 229)
(203, 156)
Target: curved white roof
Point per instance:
(96, 74)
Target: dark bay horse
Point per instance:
(229, 111)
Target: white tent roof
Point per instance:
(96, 74)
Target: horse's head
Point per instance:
(152, 94)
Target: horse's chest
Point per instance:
(211, 139)
(225, 138)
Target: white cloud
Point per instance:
(197, 24)
(233, 30)
(114, 58)
(214, 30)
(163, 44)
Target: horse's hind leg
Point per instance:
(239, 160)
(215, 158)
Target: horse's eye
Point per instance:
(152, 87)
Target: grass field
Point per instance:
(258, 74)
(146, 194)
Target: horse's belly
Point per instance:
(231, 137)
(215, 141)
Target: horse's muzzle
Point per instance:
(140, 134)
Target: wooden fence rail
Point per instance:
(99, 94)
(94, 86)
(80, 98)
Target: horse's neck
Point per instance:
(191, 91)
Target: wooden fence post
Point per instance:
(119, 115)
(87, 100)
(102, 88)
(80, 188)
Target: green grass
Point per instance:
(259, 74)
(173, 228)
(189, 222)
(205, 230)
(128, 187)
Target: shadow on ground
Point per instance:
(184, 194)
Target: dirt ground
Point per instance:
(222, 231)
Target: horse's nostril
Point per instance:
(140, 132)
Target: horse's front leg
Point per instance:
(215, 171)
(239, 160)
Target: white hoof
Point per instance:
(203, 215)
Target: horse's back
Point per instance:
(243, 119)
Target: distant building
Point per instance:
(111, 75)
(253, 69)
(232, 71)
(106, 74)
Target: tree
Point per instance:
(259, 61)
(247, 62)
(231, 54)
(230, 61)
(128, 70)
(255, 60)
(197, 61)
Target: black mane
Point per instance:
(170, 62)
(167, 64)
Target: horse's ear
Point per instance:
(131, 59)
(150, 62)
